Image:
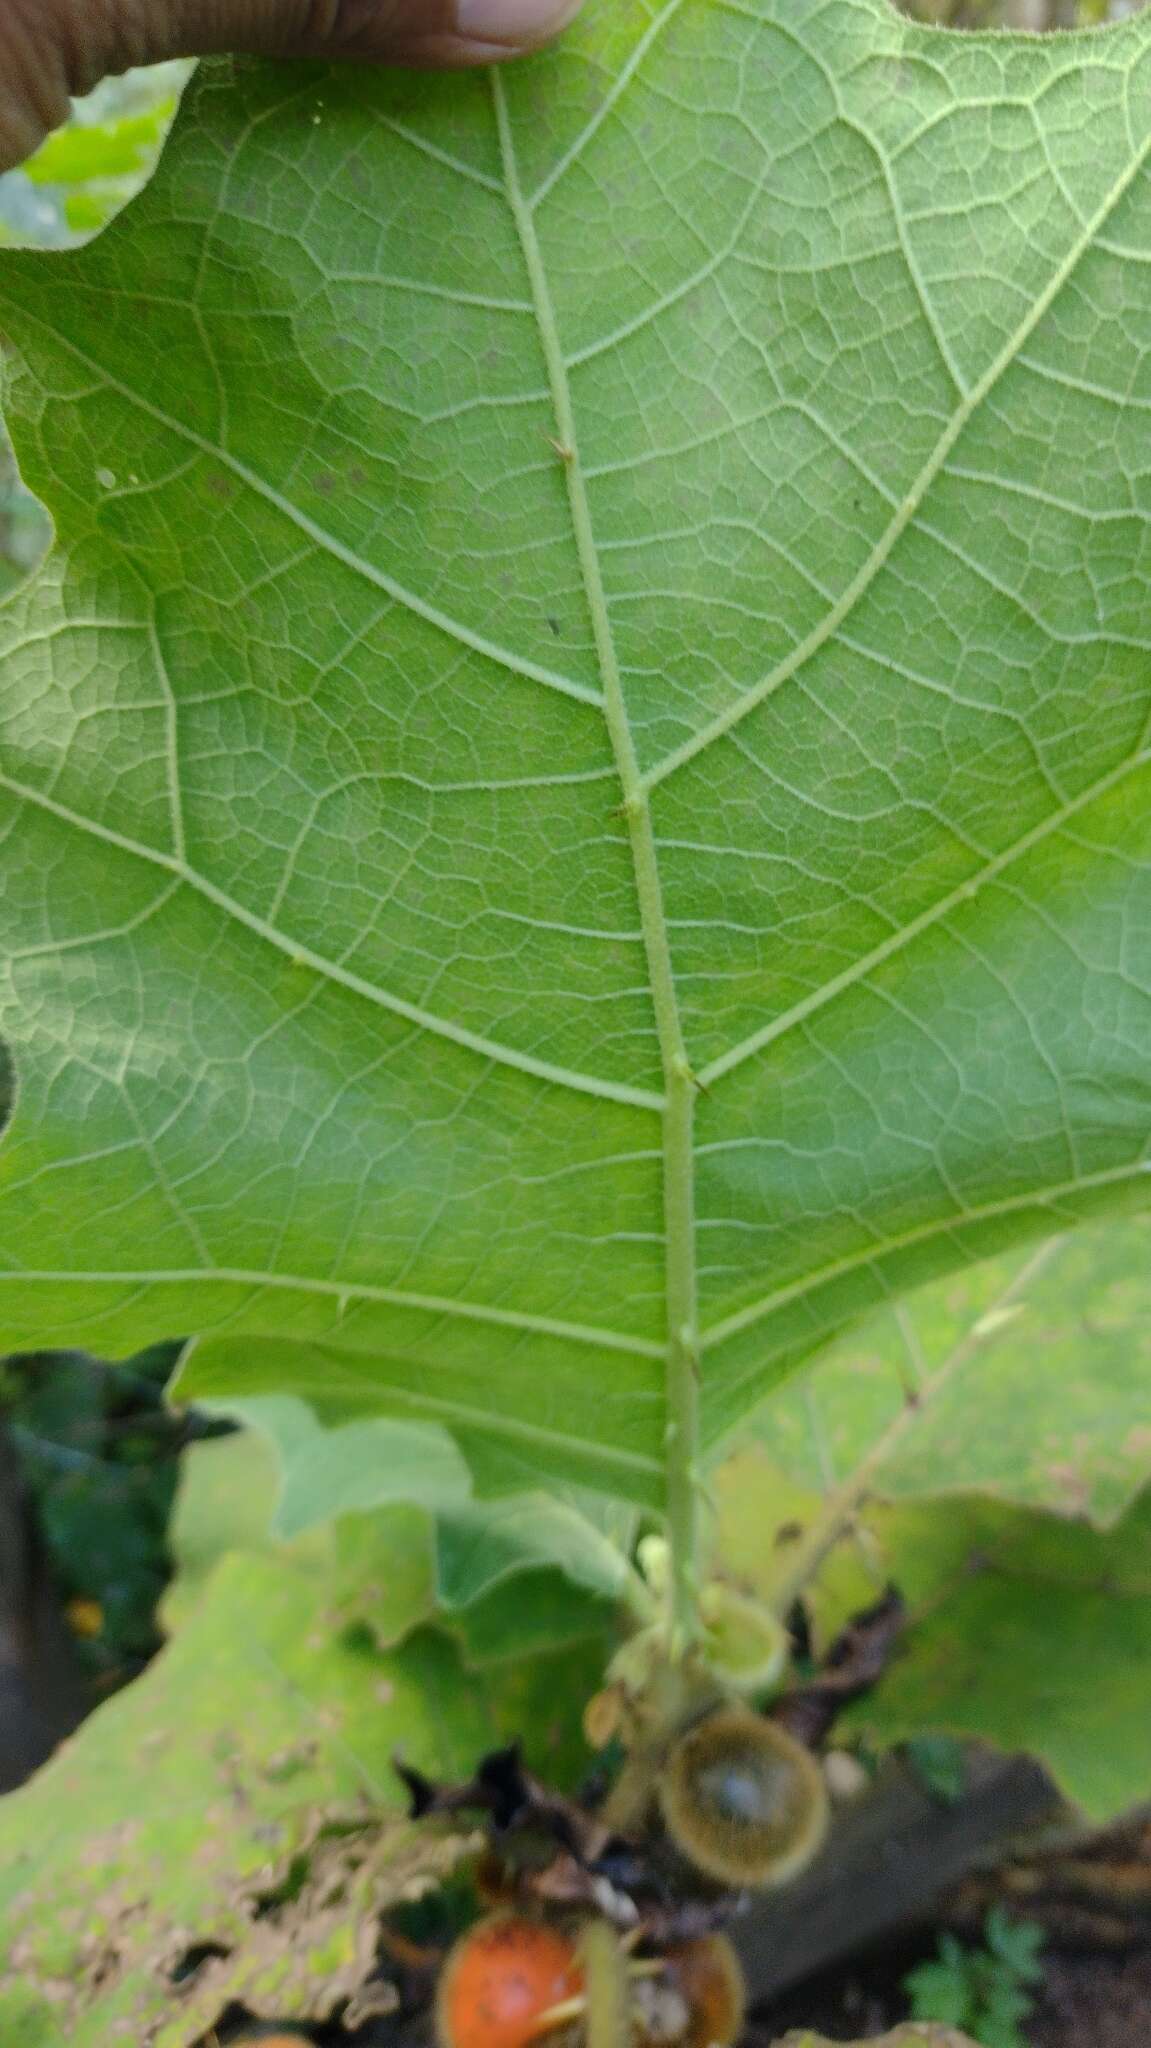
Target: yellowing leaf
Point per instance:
(188, 1797)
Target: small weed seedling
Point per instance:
(982, 1991)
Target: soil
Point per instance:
(1085, 2001)
(1095, 2001)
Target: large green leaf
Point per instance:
(630, 568)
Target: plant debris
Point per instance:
(855, 1662)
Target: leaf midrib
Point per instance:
(681, 1435)
(561, 1076)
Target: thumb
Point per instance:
(51, 49)
(431, 32)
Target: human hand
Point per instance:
(52, 49)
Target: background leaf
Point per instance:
(329, 957)
(1025, 1377)
(518, 1578)
(327, 1472)
(86, 171)
(1033, 1633)
(97, 1452)
(252, 1758)
(186, 1798)
(910, 1454)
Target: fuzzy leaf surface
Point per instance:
(341, 999)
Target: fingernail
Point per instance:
(515, 22)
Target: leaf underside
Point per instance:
(330, 972)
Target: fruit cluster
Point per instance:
(514, 1980)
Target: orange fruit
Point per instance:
(708, 1974)
(500, 1979)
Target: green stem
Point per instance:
(682, 1452)
(636, 1597)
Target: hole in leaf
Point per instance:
(289, 1888)
(194, 1958)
